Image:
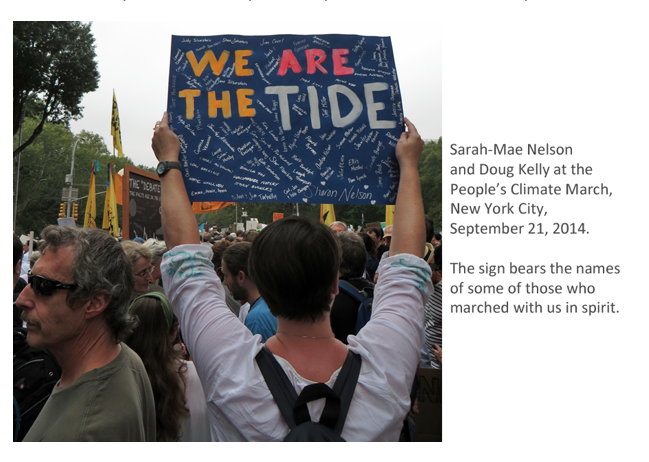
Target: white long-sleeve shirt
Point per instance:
(239, 403)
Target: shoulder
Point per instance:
(259, 310)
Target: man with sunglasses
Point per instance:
(76, 305)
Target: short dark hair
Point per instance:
(430, 228)
(294, 263)
(100, 264)
(18, 250)
(369, 243)
(438, 236)
(236, 257)
(354, 255)
(377, 231)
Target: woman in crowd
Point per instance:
(140, 257)
(181, 411)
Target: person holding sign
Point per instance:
(295, 262)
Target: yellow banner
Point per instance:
(110, 206)
(389, 215)
(115, 129)
(327, 215)
(91, 205)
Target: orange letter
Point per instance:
(339, 60)
(213, 104)
(239, 62)
(189, 101)
(312, 63)
(244, 102)
(208, 57)
(288, 61)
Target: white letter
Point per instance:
(357, 106)
(315, 107)
(282, 91)
(373, 107)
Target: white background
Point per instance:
(532, 387)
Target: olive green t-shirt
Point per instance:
(112, 403)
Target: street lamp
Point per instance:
(70, 177)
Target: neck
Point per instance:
(252, 294)
(300, 329)
(93, 349)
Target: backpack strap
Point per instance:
(345, 386)
(294, 408)
(351, 290)
(279, 385)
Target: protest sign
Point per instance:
(286, 118)
(141, 205)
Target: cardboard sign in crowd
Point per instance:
(286, 118)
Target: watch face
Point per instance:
(161, 168)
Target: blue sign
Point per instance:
(286, 118)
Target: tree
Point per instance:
(430, 172)
(54, 66)
(43, 167)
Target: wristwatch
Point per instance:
(165, 166)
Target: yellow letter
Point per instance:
(213, 104)
(208, 57)
(239, 62)
(189, 101)
(244, 102)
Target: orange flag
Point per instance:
(204, 207)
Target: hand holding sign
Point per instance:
(165, 143)
(409, 147)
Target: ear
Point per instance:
(18, 267)
(241, 278)
(96, 305)
(335, 288)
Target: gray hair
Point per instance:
(157, 249)
(135, 251)
(354, 256)
(338, 223)
(100, 265)
(34, 256)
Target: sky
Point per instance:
(133, 61)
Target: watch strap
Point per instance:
(168, 165)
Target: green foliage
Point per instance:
(262, 211)
(430, 173)
(54, 66)
(43, 167)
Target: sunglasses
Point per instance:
(45, 286)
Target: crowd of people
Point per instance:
(164, 341)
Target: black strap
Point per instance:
(351, 291)
(293, 407)
(278, 384)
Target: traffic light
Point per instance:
(75, 211)
(62, 210)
